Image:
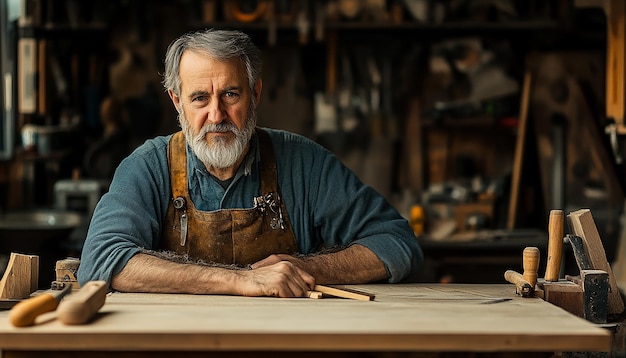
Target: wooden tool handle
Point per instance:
(24, 313)
(514, 277)
(530, 262)
(81, 306)
(555, 245)
(523, 287)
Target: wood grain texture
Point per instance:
(21, 276)
(344, 292)
(582, 224)
(415, 317)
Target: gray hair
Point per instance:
(220, 45)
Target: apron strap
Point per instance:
(267, 166)
(177, 160)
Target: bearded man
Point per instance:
(225, 207)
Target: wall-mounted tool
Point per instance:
(615, 73)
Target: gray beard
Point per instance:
(219, 154)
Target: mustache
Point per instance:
(218, 128)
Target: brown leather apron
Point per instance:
(227, 236)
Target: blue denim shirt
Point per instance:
(326, 203)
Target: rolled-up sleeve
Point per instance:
(128, 217)
(329, 206)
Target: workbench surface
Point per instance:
(411, 317)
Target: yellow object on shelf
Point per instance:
(416, 219)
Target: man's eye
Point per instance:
(230, 97)
(199, 98)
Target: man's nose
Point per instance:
(215, 112)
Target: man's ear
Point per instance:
(258, 86)
(175, 100)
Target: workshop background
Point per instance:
(473, 118)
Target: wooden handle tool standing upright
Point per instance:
(530, 262)
(525, 283)
(555, 245)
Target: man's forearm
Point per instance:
(147, 273)
(353, 265)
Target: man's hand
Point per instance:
(278, 279)
(147, 273)
(352, 265)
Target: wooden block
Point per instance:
(582, 224)
(66, 271)
(21, 277)
(315, 294)
(344, 292)
(565, 294)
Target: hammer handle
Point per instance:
(555, 245)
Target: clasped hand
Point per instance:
(277, 276)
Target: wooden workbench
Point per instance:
(402, 318)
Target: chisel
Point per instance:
(555, 245)
(24, 313)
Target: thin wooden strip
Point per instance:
(345, 292)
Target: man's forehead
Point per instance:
(199, 57)
(199, 69)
